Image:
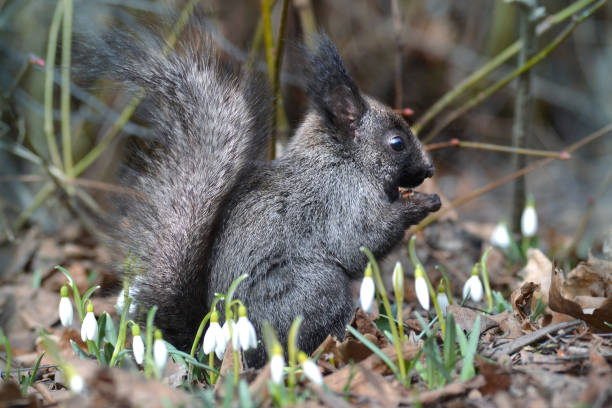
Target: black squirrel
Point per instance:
(210, 208)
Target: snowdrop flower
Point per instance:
(160, 352)
(89, 329)
(76, 383)
(277, 364)
(366, 291)
(310, 369)
(529, 220)
(442, 302)
(246, 332)
(137, 344)
(214, 340)
(420, 287)
(500, 236)
(398, 281)
(473, 286)
(65, 308)
(226, 330)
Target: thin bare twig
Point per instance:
(491, 186)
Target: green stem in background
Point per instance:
(498, 148)
(65, 90)
(419, 269)
(486, 93)
(123, 322)
(392, 325)
(491, 186)
(49, 72)
(494, 63)
(523, 106)
(149, 363)
(9, 354)
(292, 352)
(485, 279)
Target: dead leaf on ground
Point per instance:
(537, 271)
(465, 318)
(440, 395)
(497, 378)
(600, 378)
(591, 278)
(352, 349)
(508, 324)
(595, 318)
(338, 380)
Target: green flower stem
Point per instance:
(123, 322)
(228, 304)
(149, 363)
(418, 266)
(292, 352)
(91, 346)
(394, 331)
(485, 279)
(49, 72)
(65, 89)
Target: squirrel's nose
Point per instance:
(429, 171)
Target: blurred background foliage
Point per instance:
(436, 44)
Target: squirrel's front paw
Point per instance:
(418, 205)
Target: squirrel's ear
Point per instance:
(331, 90)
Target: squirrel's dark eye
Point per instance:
(396, 143)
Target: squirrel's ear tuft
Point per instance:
(331, 90)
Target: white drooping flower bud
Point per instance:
(529, 220)
(473, 286)
(500, 236)
(89, 328)
(311, 371)
(214, 339)
(366, 291)
(65, 308)
(246, 331)
(277, 364)
(160, 352)
(421, 288)
(137, 344)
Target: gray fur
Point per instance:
(211, 211)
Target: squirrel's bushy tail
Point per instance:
(208, 124)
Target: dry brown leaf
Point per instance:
(465, 318)
(522, 298)
(537, 271)
(600, 378)
(593, 317)
(591, 278)
(352, 349)
(448, 391)
(508, 324)
(497, 378)
(338, 380)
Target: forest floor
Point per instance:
(527, 355)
